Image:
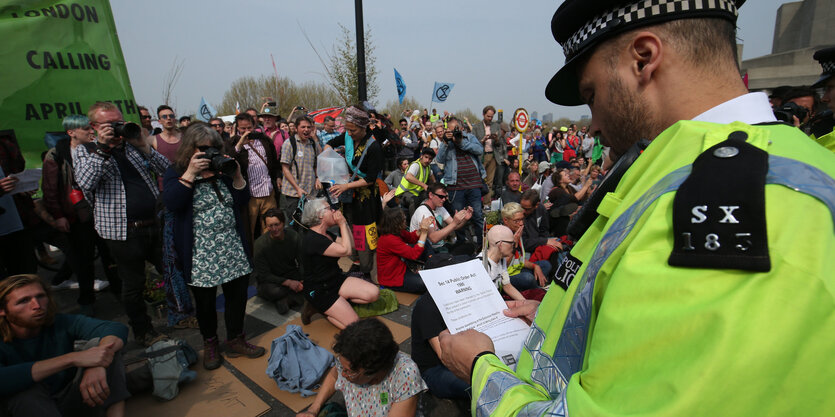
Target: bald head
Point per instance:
(499, 232)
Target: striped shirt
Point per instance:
(260, 184)
(467, 176)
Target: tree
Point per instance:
(250, 92)
(341, 66)
(395, 109)
(171, 79)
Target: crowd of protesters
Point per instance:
(215, 204)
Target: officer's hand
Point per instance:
(458, 350)
(93, 387)
(524, 309)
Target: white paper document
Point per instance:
(28, 180)
(468, 299)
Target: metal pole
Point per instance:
(362, 92)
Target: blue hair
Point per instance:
(75, 121)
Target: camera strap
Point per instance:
(261, 157)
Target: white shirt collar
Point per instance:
(751, 108)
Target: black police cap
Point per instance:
(826, 57)
(580, 25)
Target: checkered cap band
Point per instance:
(828, 67)
(637, 12)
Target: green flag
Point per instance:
(59, 57)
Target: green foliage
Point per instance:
(396, 110)
(342, 67)
(251, 92)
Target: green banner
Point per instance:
(59, 57)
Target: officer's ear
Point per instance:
(646, 51)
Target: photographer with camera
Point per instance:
(118, 173)
(799, 104)
(256, 155)
(206, 191)
(460, 153)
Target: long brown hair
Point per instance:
(17, 281)
(195, 132)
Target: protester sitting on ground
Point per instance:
(394, 177)
(375, 378)
(210, 241)
(500, 247)
(524, 274)
(276, 259)
(41, 375)
(393, 247)
(536, 230)
(512, 193)
(427, 323)
(327, 289)
(563, 202)
(443, 224)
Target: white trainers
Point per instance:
(99, 285)
(65, 285)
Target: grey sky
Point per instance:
(496, 52)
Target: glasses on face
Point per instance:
(348, 372)
(441, 196)
(509, 242)
(216, 125)
(145, 116)
(167, 116)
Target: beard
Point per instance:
(629, 119)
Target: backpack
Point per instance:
(169, 361)
(296, 150)
(296, 363)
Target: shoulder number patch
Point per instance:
(719, 210)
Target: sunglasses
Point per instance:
(168, 116)
(441, 196)
(144, 117)
(216, 125)
(509, 242)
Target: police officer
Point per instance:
(826, 57)
(704, 286)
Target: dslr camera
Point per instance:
(457, 134)
(219, 163)
(127, 130)
(785, 112)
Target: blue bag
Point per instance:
(296, 363)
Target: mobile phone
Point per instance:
(271, 103)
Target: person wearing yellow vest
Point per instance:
(434, 117)
(704, 286)
(826, 57)
(416, 179)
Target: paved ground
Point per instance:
(261, 317)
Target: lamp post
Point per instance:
(362, 92)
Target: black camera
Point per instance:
(785, 112)
(220, 163)
(457, 134)
(127, 130)
(271, 103)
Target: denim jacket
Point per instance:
(446, 156)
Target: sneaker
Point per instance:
(150, 337)
(211, 354)
(99, 285)
(240, 347)
(65, 285)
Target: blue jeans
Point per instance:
(443, 383)
(526, 280)
(469, 198)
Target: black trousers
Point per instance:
(78, 246)
(234, 293)
(142, 244)
(17, 254)
(273, 292)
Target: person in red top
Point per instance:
(393, 246)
